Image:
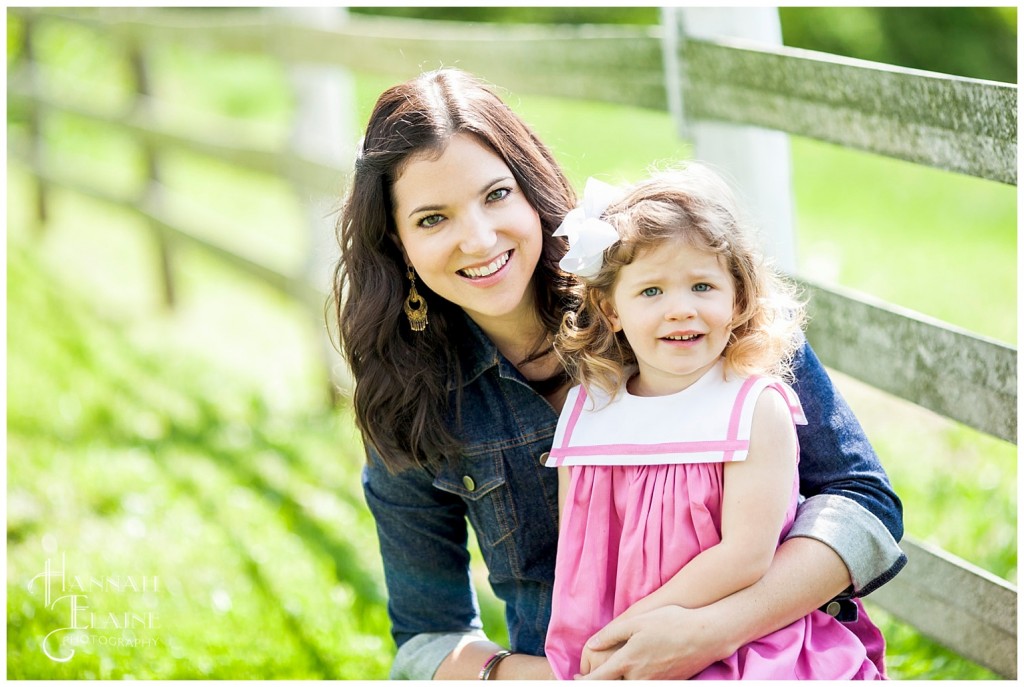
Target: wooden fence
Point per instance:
(964, 125)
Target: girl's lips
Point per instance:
(489, 272)
(682, 339)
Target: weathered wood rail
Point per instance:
(963, 125)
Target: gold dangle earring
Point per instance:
(415, 306)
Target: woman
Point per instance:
(448, 295)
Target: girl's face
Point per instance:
(469, 232)
(674, 303)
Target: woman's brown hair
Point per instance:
(404, 379)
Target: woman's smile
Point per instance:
(490, 269)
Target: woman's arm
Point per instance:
(672, 642)
(851, 505)
(756, 496)
(469, 657)
(434, 618)
(471, 653)
(423, 535)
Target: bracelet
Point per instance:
(492, 663)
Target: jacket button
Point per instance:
(833, 608)
(544, 458)
(468, 481)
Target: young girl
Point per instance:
(677, 454)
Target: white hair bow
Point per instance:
(588, 234)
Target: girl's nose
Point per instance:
(680, 308)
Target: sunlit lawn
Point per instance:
(130, 455)
(194, 446)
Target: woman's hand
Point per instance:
(592, 659)
(670, 642)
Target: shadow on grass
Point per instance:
(65, 348)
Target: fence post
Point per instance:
(756, 161)
(150, 193)
(34, 124)
(323, 131)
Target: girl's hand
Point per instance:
(670, 642)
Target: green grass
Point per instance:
(941, 243)
(134, 458)
(194, 444)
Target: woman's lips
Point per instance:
(487, 270)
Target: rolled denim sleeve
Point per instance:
(420, 657)
(850, 504)
(423, 536)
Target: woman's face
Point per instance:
(469, 232)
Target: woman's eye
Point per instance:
(429, 221)
(498, 194)
(650, 291)
(702, 287)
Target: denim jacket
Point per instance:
(499, 487)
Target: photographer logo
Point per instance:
(69, 595)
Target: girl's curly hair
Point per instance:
(694, 204)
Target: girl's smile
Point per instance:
(469, 232)
(683, 339)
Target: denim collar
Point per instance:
(477, 354)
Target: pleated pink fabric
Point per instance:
(627, 530)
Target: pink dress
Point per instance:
(637, 512)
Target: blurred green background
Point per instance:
(195, 445)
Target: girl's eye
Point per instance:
(650, 291)
(702, 287)
(498, 194)
(429, 221)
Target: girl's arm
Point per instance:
(756, 495)
(673, 642)
(563, 488)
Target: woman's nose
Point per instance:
(479, 235)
